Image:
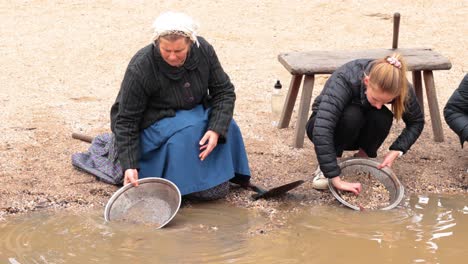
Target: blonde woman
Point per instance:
(351, 113)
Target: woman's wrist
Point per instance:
(336, 181)
(400, 153)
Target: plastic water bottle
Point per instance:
(276, 103)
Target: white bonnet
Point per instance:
(170, 22)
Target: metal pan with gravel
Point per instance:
(381, 189)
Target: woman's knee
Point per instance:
(351, 119)
(381, 118)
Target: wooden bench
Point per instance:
(309, 64)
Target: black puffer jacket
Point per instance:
(456, 111)
(345, 87)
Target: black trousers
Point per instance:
(359, 128)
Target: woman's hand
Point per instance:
(208, 143)
(353, 187)
(131, 176)
(389, 159)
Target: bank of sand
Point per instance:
(63, 64)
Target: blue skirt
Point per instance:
(170, 149)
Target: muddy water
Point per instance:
(423, 230)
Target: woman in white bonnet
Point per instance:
(173, 114)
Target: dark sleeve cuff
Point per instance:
(332, 174)
(125, 164)
(396, 149)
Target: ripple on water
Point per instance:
(42, 237)
(204, 233)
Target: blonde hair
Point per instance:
(389, 74)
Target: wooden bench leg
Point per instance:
(303, 113)
(290, 101)
(433, 106)
(417, 84)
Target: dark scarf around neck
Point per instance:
(176, 73)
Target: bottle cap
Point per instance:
(278, 85)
